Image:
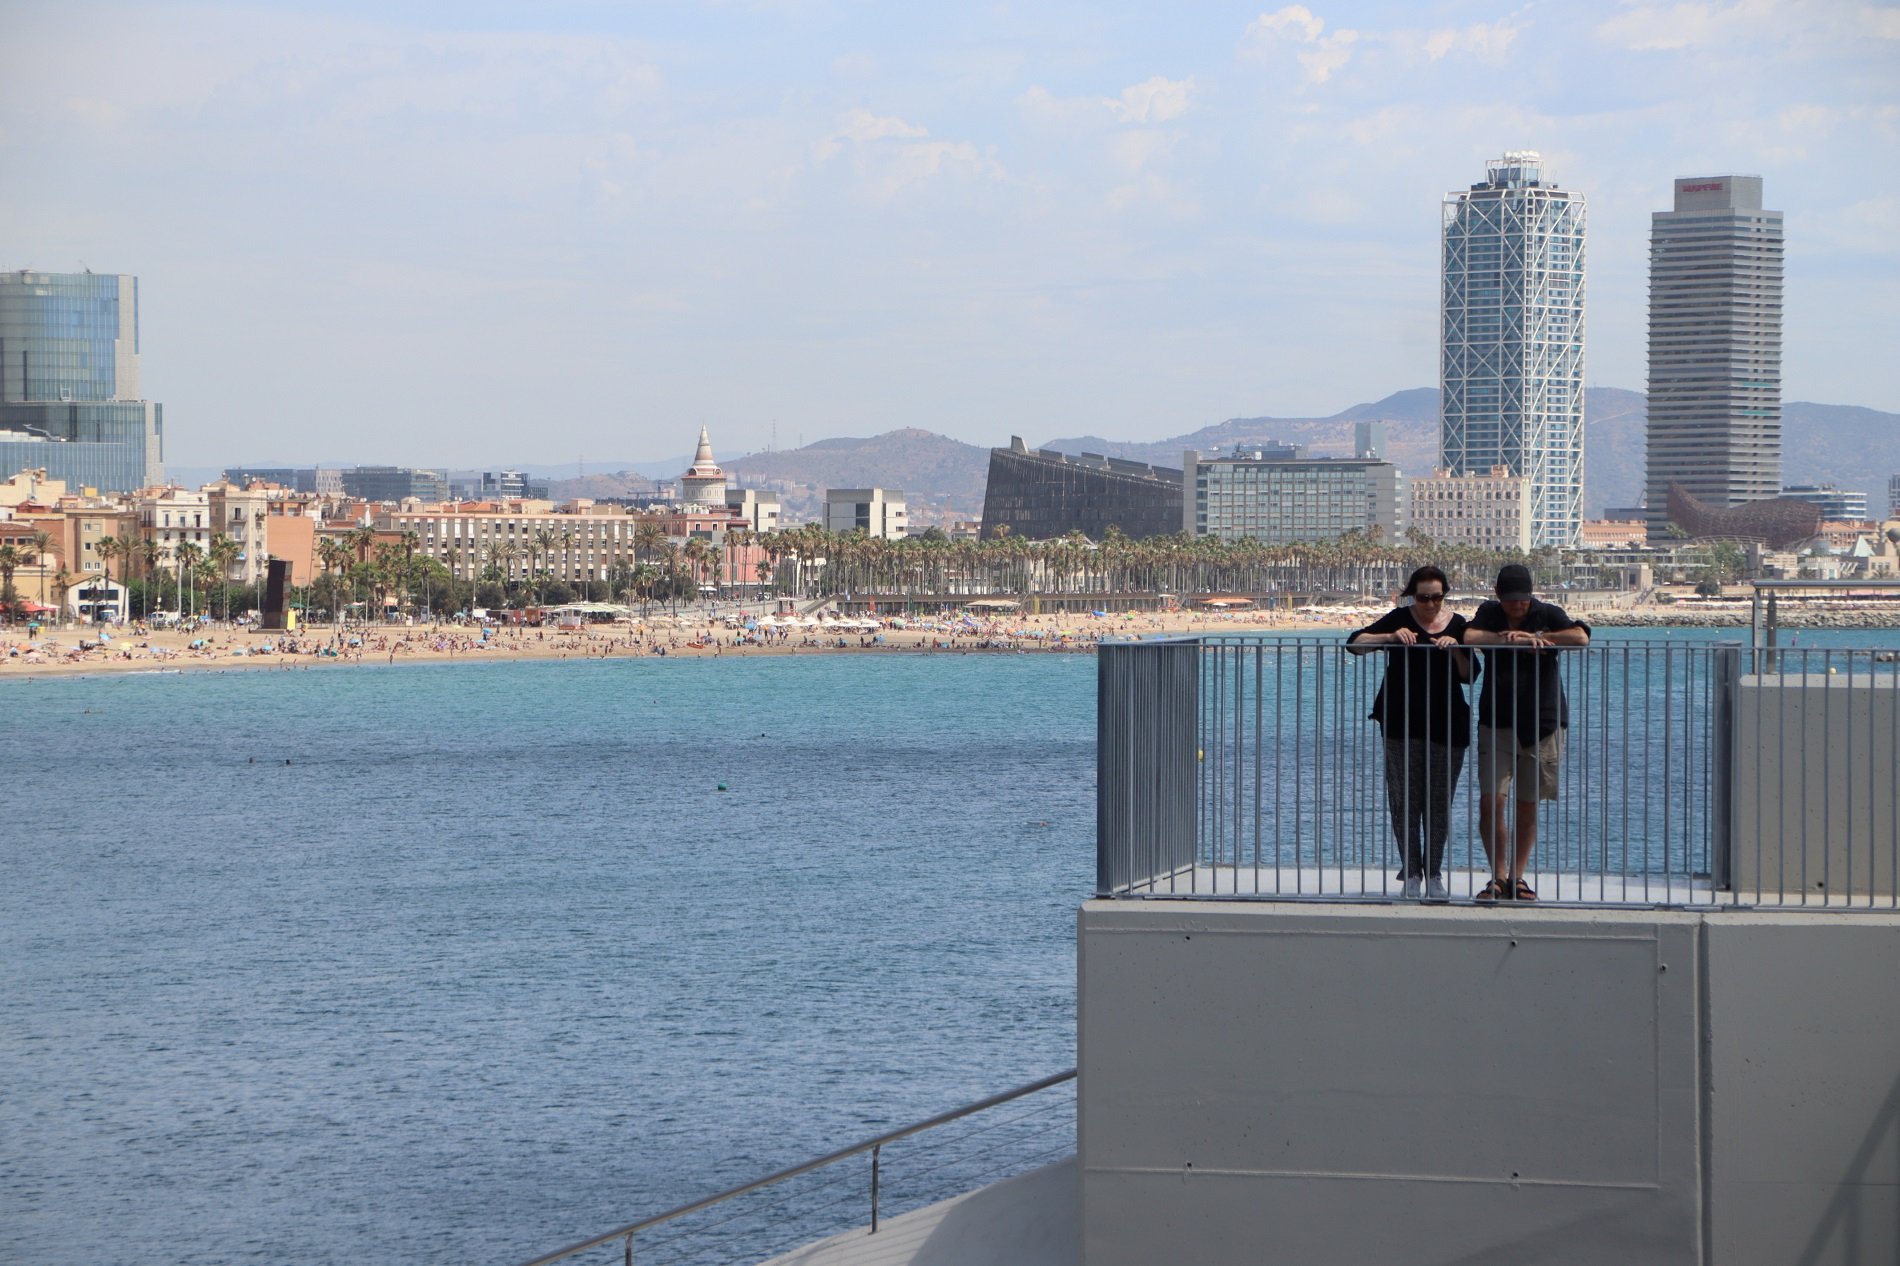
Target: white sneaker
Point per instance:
(1410, 892)
(1435, 889)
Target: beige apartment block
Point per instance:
(1490, 511)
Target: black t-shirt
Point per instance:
(1523, 689)
(1422, 695)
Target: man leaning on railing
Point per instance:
(1522, 715)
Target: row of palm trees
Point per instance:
(813, 561)
(810, 561)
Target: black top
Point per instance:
(1523, 690)
(1421, 696)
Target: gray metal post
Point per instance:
(1722, 780)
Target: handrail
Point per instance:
(705, 1202)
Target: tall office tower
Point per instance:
(1511, 358)
(69, 381)
(1714, 346)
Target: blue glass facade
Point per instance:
(69, 381)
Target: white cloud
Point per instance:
(1328, 55)
(1153, 100)
(862, 125)
(1485, 40)
(1296, 24)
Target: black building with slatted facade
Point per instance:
(1039, 494)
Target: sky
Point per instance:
(483, 233)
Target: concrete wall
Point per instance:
(1804, 1081)
(1275, 1082)
(1811, 751)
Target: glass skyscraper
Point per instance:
(1511, 362)
(1714, 346)
(70, 399)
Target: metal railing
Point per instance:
(1689, 774)
(752, 1231)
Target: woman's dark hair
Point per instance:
(1422, 575)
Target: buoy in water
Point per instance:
(722, 786)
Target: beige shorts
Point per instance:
(1502, 760)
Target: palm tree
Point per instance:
(107, 548)
(149, 553)
(334, 556)
(221, 554)
(63, 582)
(11, 558)
(188, 556)
(648, 537)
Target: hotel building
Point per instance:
(1276, 494)
(69, 382)
(1512, 338)
(1490, 511)
(1715, 267)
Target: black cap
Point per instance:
(1514, 582)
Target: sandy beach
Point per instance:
(226, 648)
(221, 647)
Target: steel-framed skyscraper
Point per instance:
(1511, 363)
(1714, 346)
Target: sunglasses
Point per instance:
(1428, 597)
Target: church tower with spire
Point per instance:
(704, 483)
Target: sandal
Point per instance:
(1523, 892)
(1494, 891)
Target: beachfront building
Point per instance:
(1511, 358)
(170, 517)
(876, 512)
(1609, 533)
(759, 508)
(1837, 504)
(1277, 494)
(1042, 495)
(241, 513)
(1489, 511)
(578, 544)
(1715, 293)
(70, 399)
(1893, 496)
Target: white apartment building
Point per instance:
(519, 537)
(1490, 511)
(878, 512)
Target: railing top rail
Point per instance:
(1867, 583)
(706, 1202)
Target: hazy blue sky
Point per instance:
(502, 232)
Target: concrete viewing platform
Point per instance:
(1350, 1082)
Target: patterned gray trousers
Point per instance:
(1420, 777)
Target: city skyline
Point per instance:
(459, 232)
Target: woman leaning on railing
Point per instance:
(1426, 720)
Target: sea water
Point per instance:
(461, 963)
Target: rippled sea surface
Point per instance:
(462, 963)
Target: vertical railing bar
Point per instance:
(876, 1160)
